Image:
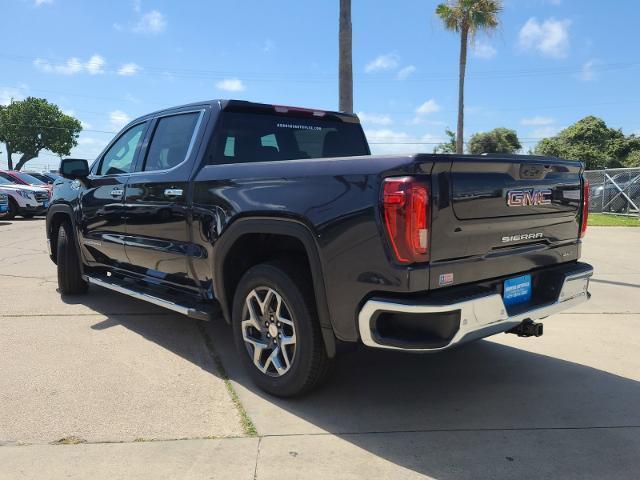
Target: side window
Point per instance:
(170, 143)
(119, 157)
(269, 141)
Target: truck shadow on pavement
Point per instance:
(484, 410)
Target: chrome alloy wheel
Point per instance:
(268, 331)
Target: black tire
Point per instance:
(309, 365)
(70, 279)
(13, 210)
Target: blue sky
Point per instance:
(550, 63)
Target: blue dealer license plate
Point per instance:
(517, 290)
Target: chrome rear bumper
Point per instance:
(479, 317)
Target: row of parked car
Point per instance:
(25, 194)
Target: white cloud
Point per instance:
(375, 118)
(128, 69)
(8, 93)
(95, 65)
(483, 50)
(231, 85)
(546, 131)
(587, 72)
(118, 119)
(537, 121)
(389, 61)
(39, 3)
(388, 141)
(430, 106)
(406, 72)
(151, 22)
(550, 38)
(70, 67)
(391, 141)
(88, 141)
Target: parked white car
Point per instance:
(24, 200)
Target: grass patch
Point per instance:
(608, 220)
(71, 440)
(247, 425)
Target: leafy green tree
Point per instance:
(467, 17)
(498, 140)
(32, 125)
(633, 159)
(593, 142)
(449, 146)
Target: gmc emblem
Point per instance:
(531, 196)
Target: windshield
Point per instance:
(40, 176)
(30, 179)
(248, 137)
(4, 181)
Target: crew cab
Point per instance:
(280, 221)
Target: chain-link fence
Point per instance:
(615, 190)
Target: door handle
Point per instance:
(173, 192)
(116, 192)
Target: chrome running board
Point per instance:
(183, 309)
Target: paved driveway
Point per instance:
(99, 367)
(114, 369)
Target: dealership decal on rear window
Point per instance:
(298, 127)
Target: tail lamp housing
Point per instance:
(406, 218)
(585, 207)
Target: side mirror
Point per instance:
(73, 168)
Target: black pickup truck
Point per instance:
(280, 221)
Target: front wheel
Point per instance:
(70, 279)
(13, 209)
(276, 330)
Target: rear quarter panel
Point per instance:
(336, 199)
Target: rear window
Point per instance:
(248, 137)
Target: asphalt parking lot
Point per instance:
(134, 391)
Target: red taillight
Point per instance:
(585, 207)
(405, 213)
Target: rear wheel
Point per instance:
(276, 330)
(70, 279)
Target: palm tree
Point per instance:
(345, 67)
(467, 17)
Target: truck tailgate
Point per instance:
(497, 216)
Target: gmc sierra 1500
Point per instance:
(279, 220)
